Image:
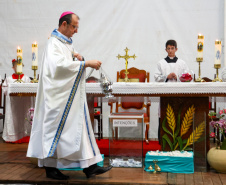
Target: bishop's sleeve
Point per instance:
(58, 64)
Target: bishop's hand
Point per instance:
(93, 64)
(78, 56)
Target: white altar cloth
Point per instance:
(15, 126)
(139, 88)
(153, 90)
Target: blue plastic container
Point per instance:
(170, 163)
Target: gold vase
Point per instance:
(217, 160)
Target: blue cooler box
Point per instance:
(170, 163)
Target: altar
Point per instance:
(176, 95)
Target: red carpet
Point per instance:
(23, 140)
(126, 147)
(118, 147)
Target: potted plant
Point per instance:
(216, 155)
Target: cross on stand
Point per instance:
(126, 57)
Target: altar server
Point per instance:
(224, 74)
(16, 128)
(12, 78)
(62, 135)
(170, 67)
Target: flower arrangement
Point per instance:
(185, 77)
(220, 126)
(30, 115)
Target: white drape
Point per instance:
(107, 27)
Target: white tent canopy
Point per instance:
(107, 27)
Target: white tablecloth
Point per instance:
(138, 88)
(16, 126)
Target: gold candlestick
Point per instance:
(126, 57)
(19, 80)
(34, 68)
(217, 79)
(199, 79)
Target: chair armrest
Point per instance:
(148, 110)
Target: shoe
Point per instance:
(54, 173)
(95, 170)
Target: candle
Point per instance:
(200, 46)
(19, 60)
(217, 52)
(34, 54)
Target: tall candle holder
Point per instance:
(34, 79)
(19, 64)
(217, 79)
(199, 79)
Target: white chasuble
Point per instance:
(16, 126)
(223, 73)
(164, 69)
(62, 134)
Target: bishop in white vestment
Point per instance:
(62, 135)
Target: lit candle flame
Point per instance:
(35, 43)
(18, 47)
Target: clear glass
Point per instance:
(199, 147)
(186, 76)
(126, 139)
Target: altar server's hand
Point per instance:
(172, 76)
(78, 56)
(93, 63)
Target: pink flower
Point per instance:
(212, 123)
(221, 112)
(31, 109)
(212, 134)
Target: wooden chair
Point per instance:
(97, 105)
(138, 103)
(134, 73)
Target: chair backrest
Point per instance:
(206, 78)
(142, 75)
(92, 79)
(134, 73)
